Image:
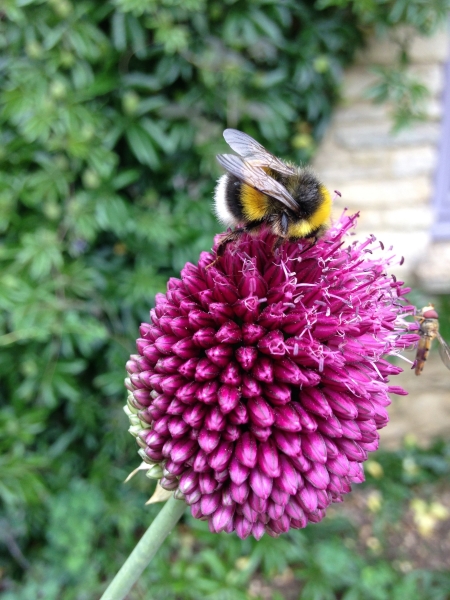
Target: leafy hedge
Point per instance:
(111, 114)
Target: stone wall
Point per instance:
(388, 177)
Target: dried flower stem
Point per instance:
(145, 550)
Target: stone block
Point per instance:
(414, 161)
(408, 218)
(433, 272)
(384, 195)
(425, 50)
(379, 135)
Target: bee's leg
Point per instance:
(232, 237)
(277, 243)
(226, 239)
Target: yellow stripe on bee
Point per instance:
(254, 204)
(320, 217)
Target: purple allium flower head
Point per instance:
(260, 383)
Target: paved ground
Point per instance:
(425, 412)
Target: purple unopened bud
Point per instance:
(339, 465)
(206, 370)
(171, 383)
(186, 348)
(313, 447)
(221, 456)
(246, 450)
(365, 408)
(176, 407)
(341, 404)
(231, 433)
(196, 510)
(183, 449)
(350, 429)
(288, 442)
(207, 392)
(275, 511)
(272, 344)
(250, 513)
(268, 459)
(258, 503)
(252, 333)
(141, 344)
(286, 418)
(177, 427)
(220, 355)
(181, 327)
(207, 483)
(143, 397)
(330, 426)
(352, 450)
(239, 415)
(258, 530)
(246, 357)
(221, 476)
(259, 412)
(187, 369)
(262, 434)
(222, 518)
(215, 420)
(272, 316)
(289, 480)
(243, 527)
(278, 496)
(294, 510)
(205, 338)
(161, 426)
(239, 493)
(165, 343)
(307, 498)
(208, 440)
(187, 393)
(220, 312)
(313, 400)
(229, 333)
(307, 421)
(228, 397)
(263, 370)
(250, 387)
(276, 528)
(200, 464)
(198, 319)
(287, 371)
(194, 415)
(210, 502)
(189, 481)
(168, 483)
(232, 374)
(318, 476)
(238, 472)
(173, 468)
(278, 394)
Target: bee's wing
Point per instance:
(444, 351)
(257, 178)
(252, 150)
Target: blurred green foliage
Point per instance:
(111, 114)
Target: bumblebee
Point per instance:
(428, 320)
(260, 189)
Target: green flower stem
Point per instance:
(145, 550)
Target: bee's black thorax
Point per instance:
(304, 187)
